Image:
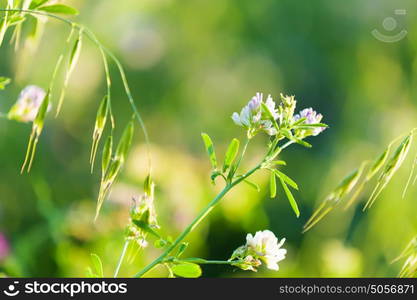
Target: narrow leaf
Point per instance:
(210, 150)
(272, 185)
(59, 9)
(286, 179)
(278, 163)
(231, 154)
(36, 3)
(290, 197)
(252, 185)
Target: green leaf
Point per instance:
(278, 163)
(210, 150)
(98, 266)
(299, 121)
(272, 185)
(16, 19)
(3, 82)
(231, 154)
(253, 185)
(59, 9)
(187, 270)
(309, 126)
(287, 179)
(302, 143)
(36, 3)
(290, 197)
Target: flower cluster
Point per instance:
(263, 247)
(259, 115)
(27, 105)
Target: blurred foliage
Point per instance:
(191, 63)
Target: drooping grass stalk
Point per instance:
(104, 51)
(204, 213)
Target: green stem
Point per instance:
(195, 222)
(121, 258)
(206, 211)
(243, 153)
(202, 261)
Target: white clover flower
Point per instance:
(267, 247)
(27, 105)
(312, 117)
(251, 116)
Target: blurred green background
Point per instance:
(191, 64)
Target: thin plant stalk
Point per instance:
(121, 258)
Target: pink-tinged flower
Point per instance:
(252, 116)
(312, 117)
(27, 105)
